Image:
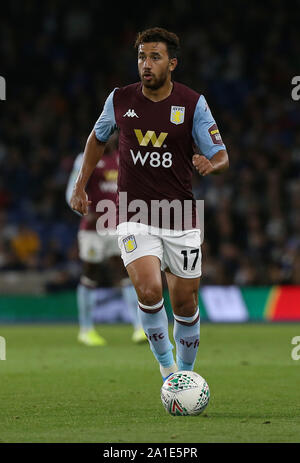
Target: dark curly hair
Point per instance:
(158, 34)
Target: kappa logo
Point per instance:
(130, 113)
(101, 163)
(150, 136)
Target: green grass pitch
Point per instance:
(52, 389)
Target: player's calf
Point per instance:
(155, 324)
(187, 336)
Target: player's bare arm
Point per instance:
(217, 164)
(93, 152)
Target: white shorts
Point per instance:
(94, 248)
(178, 251)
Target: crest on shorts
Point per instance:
(129, 243)
(177, 115)
(91, 252)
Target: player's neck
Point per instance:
(158, 94)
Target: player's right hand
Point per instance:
(79, 201)
(202, 164)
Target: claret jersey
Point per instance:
(157, 141)
(102, 185)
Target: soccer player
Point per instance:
(100, 255)
(166, 131)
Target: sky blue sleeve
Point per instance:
(106, 123)
(73, 176)
(205, 132)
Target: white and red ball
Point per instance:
(185, 393)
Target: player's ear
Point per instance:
(172, 64)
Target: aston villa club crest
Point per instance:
(91, 252)
(177, 115)
(129, 243)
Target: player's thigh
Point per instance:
(138, 243)
(91, 274)
(183, 294)
(116, 268)
(142, 254)
(182, 254)
(145, 274)
(111, 247)
(182, 262)
(135, 244)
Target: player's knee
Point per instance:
(149, 295)
(186, 306)
(88, 282)
(93, 275)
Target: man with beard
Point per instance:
(166, 131)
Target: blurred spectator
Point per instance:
(295, 277)
(26, 245)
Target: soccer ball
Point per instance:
(185, 393)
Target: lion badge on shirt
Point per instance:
(177, 115)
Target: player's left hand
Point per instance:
(79, 201)
(202, 164)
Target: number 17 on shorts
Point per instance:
(182, 254)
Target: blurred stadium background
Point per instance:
(61, 59)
